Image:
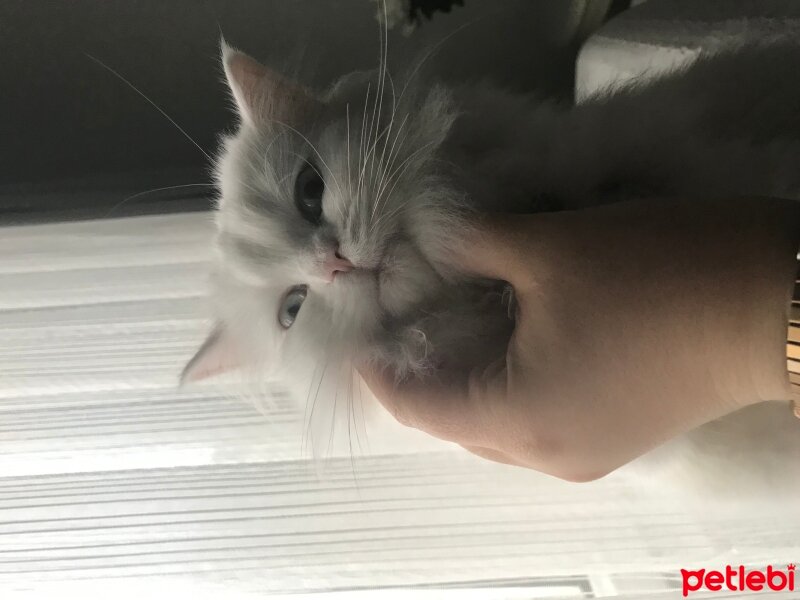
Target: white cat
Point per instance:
(338, 210)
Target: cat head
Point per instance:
(333, 220)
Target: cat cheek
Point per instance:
(406, 280)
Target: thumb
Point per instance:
(498, 247)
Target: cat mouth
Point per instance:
(399, 280)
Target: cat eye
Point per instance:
(308, 190)
(291, 305)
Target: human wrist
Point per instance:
(752, 345)
(721, 272)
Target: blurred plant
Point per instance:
(410, 13)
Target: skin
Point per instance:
(636, 323)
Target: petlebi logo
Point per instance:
(739, 579)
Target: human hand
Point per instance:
(635, 322)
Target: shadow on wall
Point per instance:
(66, 121)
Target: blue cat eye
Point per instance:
(308, 190)
(291, 305)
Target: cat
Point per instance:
(339, 210)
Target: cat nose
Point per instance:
(335, 263)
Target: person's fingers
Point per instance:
(493, 455)
(496, 248)
(456, 411)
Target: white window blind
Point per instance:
(116, 484)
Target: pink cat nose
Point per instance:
(336, 263)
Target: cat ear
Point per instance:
(262, 94)
(218, 354)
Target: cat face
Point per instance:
(333, 221)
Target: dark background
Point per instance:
(77, 141)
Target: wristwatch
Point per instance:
(793, 343)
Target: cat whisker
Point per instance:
(266, 151)
(286, 177)
(430, 53)
(152, 191)
(268, 172)
(335, 410)
(350, 432)
(385, 163)
(368, 159)
(373, 149)
(386, 218)
(352, 425)
(384, 75)
(398, 173)
(153, 104)
(310, 422)
(381, 165)
(349, 172)
(383, 30)
(361, 143)
(390, 163)
(308, 416)
(361, 407)
(378, 95)
(248, 186)
(329, 449)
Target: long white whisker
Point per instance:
(318, 386)
(354, 376)
(266, 151)
(382, 165)
(351, 422)
(385, 180)
(372, 153)
(333, 421)
(378, 93)
(382, 66)
(398, 173)
(349, 173)
(361, 149)
(142, 94)
(391, 122)
(361, 406)
(386, 217)
(159, 189)
(306, 436)
(429, 54)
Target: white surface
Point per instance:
(659, 35)
(115, 484)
